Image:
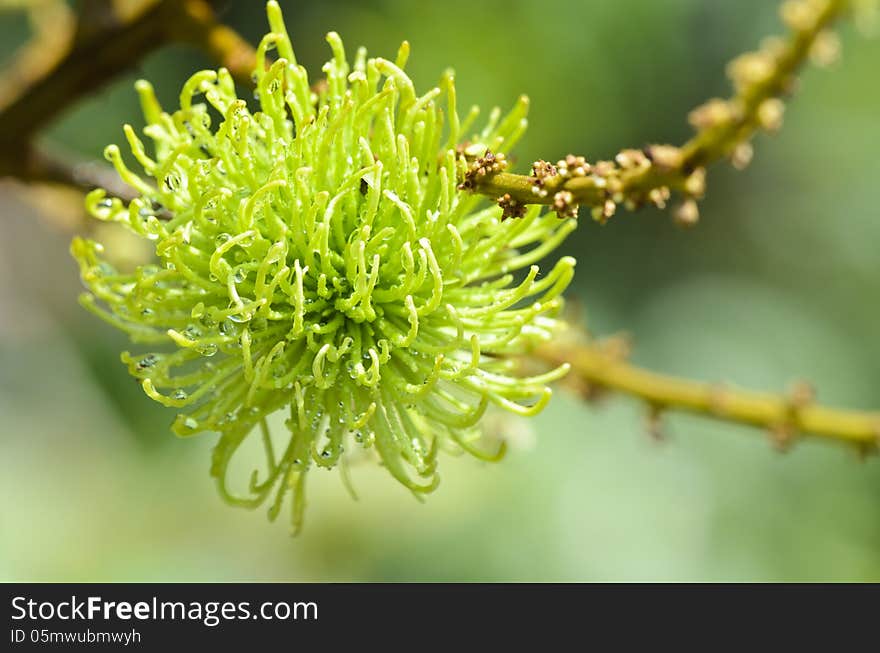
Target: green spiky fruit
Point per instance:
(317, 256)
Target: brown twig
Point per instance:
(100, 51)
(724, 129)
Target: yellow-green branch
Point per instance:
(724, 128)
(597, 367)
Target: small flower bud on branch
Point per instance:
(724, 129)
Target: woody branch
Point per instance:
(724, 129)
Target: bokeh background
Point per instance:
(780, 281)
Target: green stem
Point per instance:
(632, 185)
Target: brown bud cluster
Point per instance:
(742, 155)
(486, 164)
(711, 114)
(751, 69)
(695, 184)
(630, 159)
(686, 214)
(542, 171)
(510, 208)
(800, 15)
(659, 196)
(826, 49)
(602, 213)
(563, 204)
(770, 114)
(573, 166)
(665, 157)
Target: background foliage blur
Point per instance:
(779, 281)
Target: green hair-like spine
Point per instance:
(317, 256)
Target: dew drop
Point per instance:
(239, 318)
(228, 328)
(208, 320)
(105, 269)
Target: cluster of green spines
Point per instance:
(317, 256)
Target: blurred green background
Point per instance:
(779, 281)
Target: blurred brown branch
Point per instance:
(86, 53)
